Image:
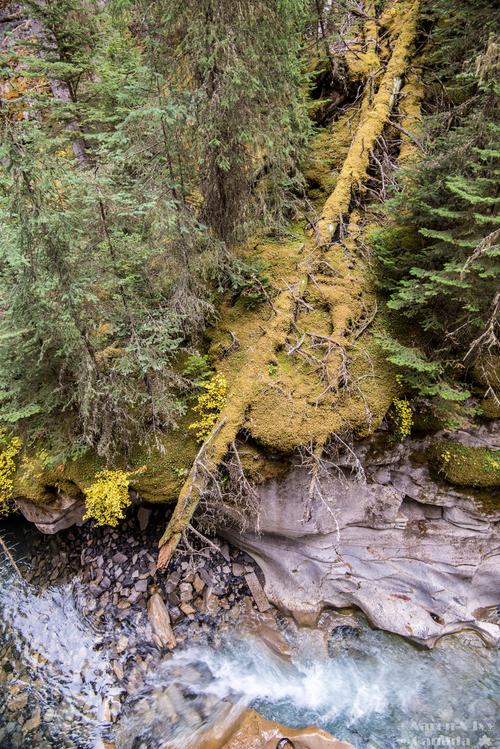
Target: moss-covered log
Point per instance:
(374, 120)
(299, 373)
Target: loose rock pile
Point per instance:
(134, 615)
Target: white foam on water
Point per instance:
(377, 691)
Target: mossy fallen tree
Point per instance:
(298, 373)
(373, 121)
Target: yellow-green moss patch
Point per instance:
(163, 470)
(490, 407)
(465, 466)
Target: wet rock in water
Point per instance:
(118, 670)
(34, 722)
(160, 621)
(17, 702)
(122, 644)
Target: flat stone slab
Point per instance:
(257, 592)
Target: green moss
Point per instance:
(327, 151)
(465, 466)
(490, 407)
(166, 469)
(259, 466)
(163, 470)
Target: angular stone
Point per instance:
(186, 591)
(118, 670)
(211, 603)
(143, 517)
(257, 592)
(206, 576)
(61, 513)
(121, 645)
(34, 722)
(141, 586)
(160, 621)
(198, 583)
(134, 596)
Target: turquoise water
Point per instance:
(374, 689)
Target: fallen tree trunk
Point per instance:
(371, 127)
(375, 116)
(216, 446)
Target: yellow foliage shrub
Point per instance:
(107, 498)
(209, 405)
(402, 418)
(7, 469)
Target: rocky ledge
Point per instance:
(377, 531)
(246, 729)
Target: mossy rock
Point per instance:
(465, 466)
(156, 473)
(490, 408)
(260, 466)
(438, 416)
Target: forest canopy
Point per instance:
(143, 143)
(140, 141)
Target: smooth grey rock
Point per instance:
(420, 558)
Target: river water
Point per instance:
(368, 687)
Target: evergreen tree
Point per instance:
(97, 286)
(126, 141)
(240, 65)
(439, 252)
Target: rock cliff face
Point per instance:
(416, 556)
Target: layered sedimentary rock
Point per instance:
(62, 512)
(417, 556)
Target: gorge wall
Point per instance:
(379, 532)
